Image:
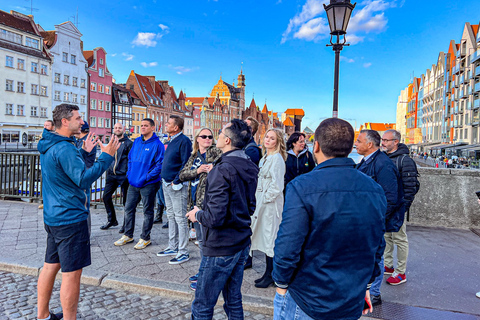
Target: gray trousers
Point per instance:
(176, 205)
(401, 240)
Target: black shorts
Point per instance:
(69, 245)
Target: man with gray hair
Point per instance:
(399, 154)
(380, 168)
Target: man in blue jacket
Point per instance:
(175, 191)
(65, 184)
(229, 204)
(330, 240)
(380, 168)
(145, 161)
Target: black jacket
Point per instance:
(229, 204)
(296, 166)
(120, 166)
(88, 158)
(253, 151)
(408, 173)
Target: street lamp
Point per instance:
(338, 13)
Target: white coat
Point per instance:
(269, 196)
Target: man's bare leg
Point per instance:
(45, 284)
(69, 293)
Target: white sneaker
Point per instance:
(123, 241)
(478, 295)
(193, 234)
(142, 244)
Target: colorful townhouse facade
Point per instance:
(122, 107)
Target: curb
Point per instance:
(134, 284)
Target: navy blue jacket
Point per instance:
(253, 151)
(177, 154)
(331, 239)
(229, 204)
(381, 169)
(145, 161)
(119, 167)
(296, 166)
(88, 157)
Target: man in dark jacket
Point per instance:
(251, 149)
(145, 161)
(117, 176)
(89, 158)
(330, 240)
(380, 168)
(229, 204)
(399, 154)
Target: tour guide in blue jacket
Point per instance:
(330, 240)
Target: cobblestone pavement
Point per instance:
(18, 299)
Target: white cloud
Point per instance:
(113, 55)
(367, 65)
(348, 60)
(148, 64)
(148, 39)
(311, 23)
(163, 27)
(128, 57)
(182, 69)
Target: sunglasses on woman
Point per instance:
(206, 137)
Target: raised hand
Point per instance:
(111, 147)
(90, 142)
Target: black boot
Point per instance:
(267, 280)
(159, 214)
(248, 263)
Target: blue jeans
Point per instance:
(285, 308)
(147, 195)
(375, 288)
(160, 198)
(220, 274)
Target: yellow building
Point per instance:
(139, 112)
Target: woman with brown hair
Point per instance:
(269, 196)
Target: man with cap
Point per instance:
(88, 158)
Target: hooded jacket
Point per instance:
(229, 204)
(408, 173)
(65, 179)
(119, 167)
(145, 161)
(297, 165)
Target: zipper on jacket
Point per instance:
(115, 165)
(86, 199)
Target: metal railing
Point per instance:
(21, 178)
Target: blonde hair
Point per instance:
(195, 142)
(280, 147)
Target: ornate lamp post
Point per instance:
(338, 13)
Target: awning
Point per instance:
(442, 146)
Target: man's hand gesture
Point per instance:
(111, 147)
(90, 142)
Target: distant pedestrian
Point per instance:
(144, 166)
(398, 153)
(48, 125)
(251, 149)
(195, 171)
(269, 196)
(228, 205)
(330, 236)
(299, 159)
(175, 191)
(66, 208)
(117, 176)
(380, 168)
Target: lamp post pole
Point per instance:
(337, 48)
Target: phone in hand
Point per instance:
(478, 194)
(367, 304)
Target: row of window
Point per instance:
(18, 38)
(9, 62)
(68, 96)
(99, 88)
(101, 105)
(66, 80)
(73, 58)
(20, 110)
(99, 122)
(35, 88)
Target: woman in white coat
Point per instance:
(269, 196)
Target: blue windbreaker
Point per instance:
(65, 179)
(145, 161)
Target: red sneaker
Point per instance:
(397, 279)
(388, 270)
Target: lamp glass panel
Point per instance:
(348, 13)
(331, 18)
(339, 16)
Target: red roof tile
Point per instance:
(88, 56)
(49, 38)
(18, 21)
(253, 104)
(295, 112)
(288, 122)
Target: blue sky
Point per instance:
(281, 44)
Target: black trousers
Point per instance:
(111, 184)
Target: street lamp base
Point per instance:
(335, 114)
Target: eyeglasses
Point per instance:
(386, 140)
(220, 131)
(206, 137)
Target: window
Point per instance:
(43, 69)
(57, 95)
(100, 88)
(20, 110)
(43, 91)
(35, 89)
(20, 87)
(93, 104)
(34, 67)
(107, 105)
(73, 59)
(65, 57)
(21, 64)
(74, 98)
(66, 80)
(101, 73)
(100, 122)
(100, 106)
(9, 109)
(93, 86)
(66, 96)
(107, 123)
(82, 99)
(10, 36)
(75, 81)
(101, 61)
(32, 43)
(93, 121)
(9, 62)
(34, 111)
(107, 91)
(57, 78)
(43, 112)
(9, 85)
(82, 83)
